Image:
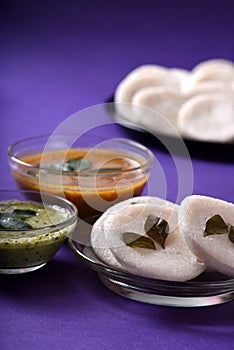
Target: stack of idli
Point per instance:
(156, 238)
(196, 104)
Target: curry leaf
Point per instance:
(157, 228)
(135, 240)
(78, 164)
(22, 213)
(32, 173)
(215, 226)
(231, 233)
(10, 223)
(15, 220)
(109, 170)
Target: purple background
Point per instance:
(58, 57)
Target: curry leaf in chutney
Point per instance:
(10, 223)
(23, 213)
(15, 220)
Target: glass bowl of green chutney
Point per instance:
(33, 227)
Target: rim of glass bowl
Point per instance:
(146, 165)
(69, 221)
(189, 288)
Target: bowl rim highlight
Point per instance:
(147, 164)
(66, 222)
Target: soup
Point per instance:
(92, 179)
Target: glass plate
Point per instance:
(210, 288)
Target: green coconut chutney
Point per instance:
(37, 244)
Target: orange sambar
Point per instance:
(112, 177)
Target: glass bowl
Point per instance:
(91, 172)
(33, 226)
(210, 288)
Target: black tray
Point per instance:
(215, 151)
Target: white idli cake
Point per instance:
(208, 116)
(207, 224)
(214, 70)
(141, 236)
(97, 238)
(139, 78)
(144, 76)
(193, 102)
(161, 99)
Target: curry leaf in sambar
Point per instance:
(79, 164)
(73, 164)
